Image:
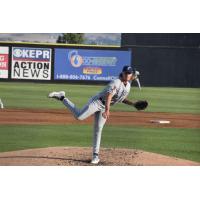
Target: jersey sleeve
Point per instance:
(112, 87)
(127, 93)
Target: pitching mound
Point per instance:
(72, 156)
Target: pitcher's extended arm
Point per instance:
(107, 105)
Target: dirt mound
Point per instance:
(36, 116)
(73, 156)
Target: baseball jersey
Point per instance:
(117, 89)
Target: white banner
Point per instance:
(4, 62)
(31, 63)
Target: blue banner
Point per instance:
(90, 65)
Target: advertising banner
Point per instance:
(4, 51)
(90, 65)
(31, 63)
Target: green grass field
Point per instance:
(33, 95)
(182, 143)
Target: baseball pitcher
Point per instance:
(99, 105)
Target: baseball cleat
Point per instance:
(57, 95)
(95, 160)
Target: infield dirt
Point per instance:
(36, 116)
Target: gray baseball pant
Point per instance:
(92, 107)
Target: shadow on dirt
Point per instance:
(47, 157)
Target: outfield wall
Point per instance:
(165, 59)
(61, 62)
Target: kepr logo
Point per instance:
(75, 59)
(31, 53)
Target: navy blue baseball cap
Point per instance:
(128, 69)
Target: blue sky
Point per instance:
(99, 38)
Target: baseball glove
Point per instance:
(141, 105)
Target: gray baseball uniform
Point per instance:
(96, 106)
